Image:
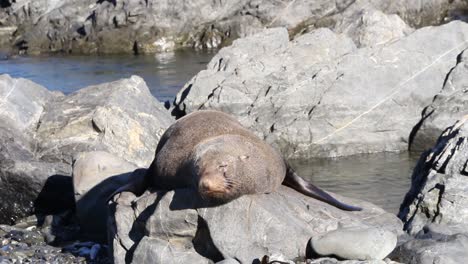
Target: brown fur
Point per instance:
(214, 152)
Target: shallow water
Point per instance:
(164, 74)
(382, 178)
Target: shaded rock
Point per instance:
(120, 117)
(41, 132)
(318, 95)
(245, 229)
(438, 192)
(448, 106)
(355, 244)
(96, 175)
(22, 175)
(450, 249)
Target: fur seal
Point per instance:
(213, 152)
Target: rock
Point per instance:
(120, 117)
(42, 131)
(450, 249)
(153, 26)
(96, 175)
(228, 261)
(22, 102)
(448, 106)
(355, 244)
(438, 192)
(371, 27)
(320, 96)
(181, 222)
(335, 261)
(22, 176)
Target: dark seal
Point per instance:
(212, 152)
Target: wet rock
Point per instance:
(448, 106)
(96, 175)
(355, 244)
(183, 223)
(439, 184)
(320, 96)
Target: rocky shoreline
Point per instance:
(377, 87)
(103, 27)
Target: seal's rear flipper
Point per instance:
(137, 184)
(299, 184)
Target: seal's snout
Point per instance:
(211, 184)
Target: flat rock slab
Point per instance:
(245, 229)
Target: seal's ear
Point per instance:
(244, 157)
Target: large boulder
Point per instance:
(448, 106)
(318, 95)
(41, 132)
(434, 209)
(120, 117)
(22, 176)
(439, 185)
(176, 226)
(91, 26)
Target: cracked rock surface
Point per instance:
(439, 185)
(42, 131)
(176, 227)
(448, 106)
(434, 210)
(318, 95)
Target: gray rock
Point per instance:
(449, 249)
(370, 27)
(355, 243)
(228, 261)
(438, 185)
(96, 175)
(448, 106)
(24, 180)
(245, 229)
(335, 261)
(152, 26)
(41, 132)
(22, 102)
(120, 117)
(319, 96)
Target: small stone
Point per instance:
(355, 243)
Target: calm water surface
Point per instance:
(382, 179)
(164, 74)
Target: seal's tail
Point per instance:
(296, 182)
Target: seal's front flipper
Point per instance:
(299, 184)
(137, 184)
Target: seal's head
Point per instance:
(219, 169)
